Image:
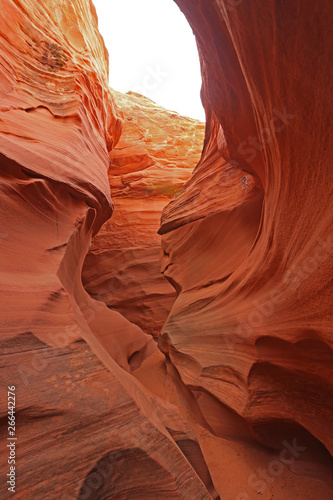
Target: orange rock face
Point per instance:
(82, 421)
(234, 400)
(154, 157)
(251, 330)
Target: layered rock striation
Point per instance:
(83, 421)
(155, 155)
(251, 257)
(234, 400)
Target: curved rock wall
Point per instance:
(154, 157)
(236, 399)
(81, 417)
(248, 243)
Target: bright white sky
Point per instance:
(153, 52)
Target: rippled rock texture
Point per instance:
(248, 244)
(155, 155)
(234, 400)
(86, 428)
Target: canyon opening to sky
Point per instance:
(165, 282)
(153, 52)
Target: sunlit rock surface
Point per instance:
(234, 401)
(86, 428)
(155, 155)
(251, 256)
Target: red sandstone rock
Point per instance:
(156, 154)
(240, 403)
(250, 332)
(80, 415)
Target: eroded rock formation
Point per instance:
(67, 354)
(235, 398)
(251, 330)
(154, 157)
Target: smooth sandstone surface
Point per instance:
(82, 421)
(251, 330)
(214, 380)
(155, 155)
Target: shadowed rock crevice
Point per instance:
(156, 154)
(234, 398)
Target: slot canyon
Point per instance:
(166, 285)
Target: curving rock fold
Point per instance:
(67, 354)
(213, 379)
(154, 157)
(248, 243)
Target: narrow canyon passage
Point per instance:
(156, 154)
(168, 330)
